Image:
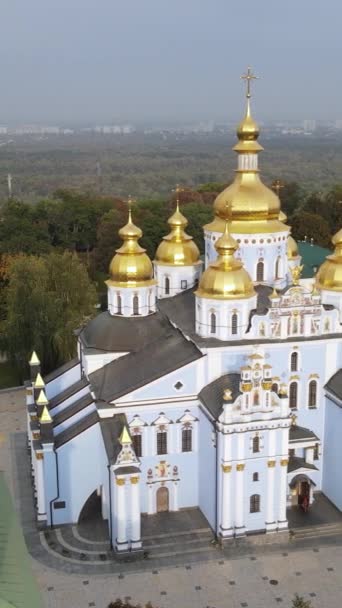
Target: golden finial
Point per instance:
(130, 202)
(45, 417)
(278, 185)
(34, 359)
(227, 394)
(248, 77)
(125, 437)
(294, 420)
(296, 272)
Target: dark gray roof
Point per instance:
(299, 463)
(107, 333)
(111, 429)
(212, 394)
(76, 429)
(61, 370)
(126, 470)
(299, 433)
(72, 409)
(68, 392)
(158, 358)
(334, 385)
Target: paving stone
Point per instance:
(91, 604)
(232, 583)
(315, 550)
(198, 588)
(221, 562)
(244, 604)
(187, 567)
(330, 569)
(279, 599)
(121, 576)
(85, 582)
(312, 594)
(163, 593)
(50, 588)
(155, 571)
(264, 578)
(284, 554)
(253, 558)
(273, 581)
(298, 573)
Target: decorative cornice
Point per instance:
(120, 481)
(134, 480)
(284, 462)
(271, 464)
(39, 456)
(226, 468)
(240, 467)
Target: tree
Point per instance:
(291, 196)
(47, 298)
(22, 229)
(108, 240)
(198, 214)
(300, 602)
(312, 226)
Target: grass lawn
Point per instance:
(8, 376)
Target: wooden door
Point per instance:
(162, 499)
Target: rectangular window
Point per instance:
(186, 440)
(184, 284)
(137, 445)
(59, 505)
(162, 442)
(292, 452)
(316, 452)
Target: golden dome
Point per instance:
(282, 216)
(329, 275)
(292, 248)
(226, 279)
(131, 266)
(247, 199)
(248, 204)
(177, 248)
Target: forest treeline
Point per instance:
(54, 255)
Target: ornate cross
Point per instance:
(278, 185)
(177, 190)
(130, 202)
(248, 77)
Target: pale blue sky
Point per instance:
(87, 60)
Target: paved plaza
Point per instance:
(180, 570)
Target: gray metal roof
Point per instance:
(68, 392)
(61, 370)
(107, 333)
(158, 358)
(334, 385)
(299, 463)
(212, 394)
(300, 433)
(76, 429)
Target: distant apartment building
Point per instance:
(309, 125)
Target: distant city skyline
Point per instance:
(153, 61)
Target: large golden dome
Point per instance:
(292, 248)
(131, 266)
(248, 204)
(226, 279)
(177, 248)
(329, 275)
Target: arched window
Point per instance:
(186, 440)
(294, 362)
(213, 323)
(135, 305)
(278, 268)
(267, 399)
(293, 395)
(256, 444)
(118, 304)
(260, 271)
(275, 387)
(161, 442)
(234, 323)
(254, 503)
(256, 400)
(167, 285)
(312, 394)
(255, 476)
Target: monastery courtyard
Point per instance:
(180, 569)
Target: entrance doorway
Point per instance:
(303, 491)
(162, 499)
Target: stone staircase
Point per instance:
(319, 531)
(179, 544)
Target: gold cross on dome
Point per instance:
(177, 190)
(248, 77)
(278, 185)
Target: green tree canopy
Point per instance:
(46, 299)
(311, 226)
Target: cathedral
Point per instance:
(213, 384)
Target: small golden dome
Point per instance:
(131, 266)
(177, 248)
(226, 279)
(329, 275)
(292, 248)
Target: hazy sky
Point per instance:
(103, 60)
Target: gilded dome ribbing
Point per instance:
(131, 266)
(329, 275)
(177, 248)
(226, 279)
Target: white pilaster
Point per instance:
(121, 539)
(135, 514)
(271, 524)
(40, 486)
(239, 500)
(226, 514)
(282, 520)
